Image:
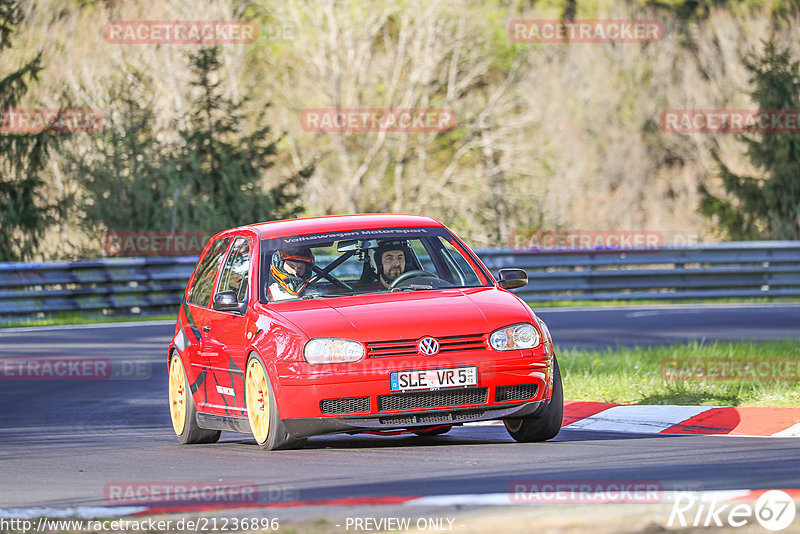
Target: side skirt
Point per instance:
(222, 422)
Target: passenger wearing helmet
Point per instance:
(389, 261)
(292, 269)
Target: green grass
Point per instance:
(635, 375)
(68, 318)
(570, 303)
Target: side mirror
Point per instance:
(512, 278)
(225, 301)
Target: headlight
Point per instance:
(515, 337)
(322, 350)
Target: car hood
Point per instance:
(408, 315)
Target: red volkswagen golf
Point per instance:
(362, 323)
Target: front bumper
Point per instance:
(305, 427)
(342, 398)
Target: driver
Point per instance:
(389, 262)
(292, 270)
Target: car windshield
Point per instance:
(349, 263)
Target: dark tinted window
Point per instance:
(234, 275)
(206, 272)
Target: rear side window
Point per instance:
(234, 275)
(206, 273)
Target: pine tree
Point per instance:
(765, 207)
(221, 165)
(24, 213)
(206, 181)
(123, 168)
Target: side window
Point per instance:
(206, 272)
(234, 275)
(457, 262)
(422, 255)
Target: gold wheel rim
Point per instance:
(257, 394)
(177, 395)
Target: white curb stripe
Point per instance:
(488, 499)
(641, 419)
(485, 423)
(84, 512)
(473, 499)
(545, 498)
(791, 432)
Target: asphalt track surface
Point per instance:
(63, 442)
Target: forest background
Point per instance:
(548, 136)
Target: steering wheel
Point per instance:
(410, 274)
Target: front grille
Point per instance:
(400, 420)
(432, 399)
(350, 405)
(458, 416)
(434, 417)
(518, 392)
(439, 417)
(408, 347)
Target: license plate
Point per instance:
(434, 378)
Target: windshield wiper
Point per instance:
(326, 295)
(412, 287)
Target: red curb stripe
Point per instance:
(348, 501)
(713, 421)
(577, 410)
(748, 421)
(753, 495)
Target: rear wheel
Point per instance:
(182, 410)
(548, 424)
(262, 411)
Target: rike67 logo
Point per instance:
(774, 510)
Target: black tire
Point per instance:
(546, 425)
(273, 435)
(190, 431)
(437, 431)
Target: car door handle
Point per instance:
(206, 328)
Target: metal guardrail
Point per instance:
(704, 271)
(119, 284)
(718, 270)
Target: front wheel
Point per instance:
(548, 424)
(182, 410)
(262, 410)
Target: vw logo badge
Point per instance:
(428, 346)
